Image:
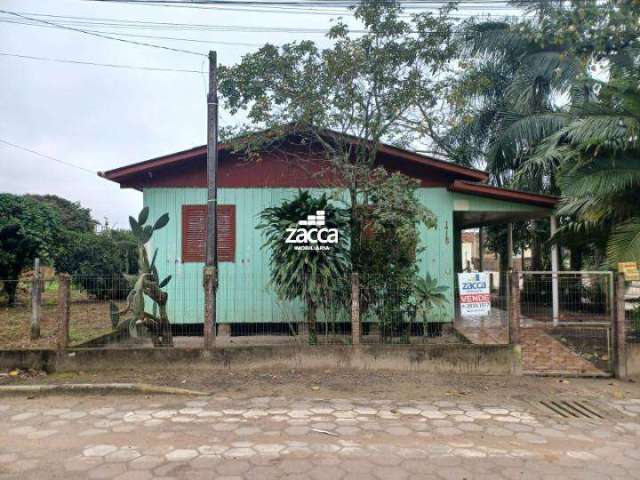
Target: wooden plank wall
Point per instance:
(244, 294)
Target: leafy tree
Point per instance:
(387, 249)
(125, 240)
(344, 100)
(28, 230)
(73, 216)
(310, 276)
(96, 263)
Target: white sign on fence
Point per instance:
(475, 296)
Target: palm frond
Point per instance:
(624, 243)
(601, 177)
(522, 133)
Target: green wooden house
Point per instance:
(176, 183)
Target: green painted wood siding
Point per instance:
(244, 295)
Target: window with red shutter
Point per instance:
(194, 233)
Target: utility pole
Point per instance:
(211, 266)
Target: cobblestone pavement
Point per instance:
(137, 437)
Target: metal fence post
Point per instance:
(356, 332)
(36, 300)
(514, 321)
(209, 277)
(514, 309)
(64, 294)
(619, 328)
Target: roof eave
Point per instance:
(534, 199)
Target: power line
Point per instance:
(193, 27)
(99, 35)
(97, 64)
(315, 4)
(142, 24)
(156, 37)
(68, 164)
(322, 10)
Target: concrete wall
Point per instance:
(632, 351)
(435, 359)
(27, 359)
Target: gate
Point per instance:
(566, 322)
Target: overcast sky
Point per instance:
(101, 118)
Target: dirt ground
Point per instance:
(347, 383)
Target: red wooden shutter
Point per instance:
(194, 233)
(226, 233)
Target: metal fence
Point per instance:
(17, 313)
(491, 329)
(250, 311)
(631, 304)
(566, 321)
(575, 320)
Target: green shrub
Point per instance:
(96, 264)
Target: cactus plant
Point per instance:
(147, 283)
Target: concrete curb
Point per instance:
(97, 388)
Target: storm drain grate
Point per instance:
(572, 409)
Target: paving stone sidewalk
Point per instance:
(222, 438)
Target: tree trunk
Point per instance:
(575, 259)
(10, 288)
(536, 250)
(504, 267)
(311, 323)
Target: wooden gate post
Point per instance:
(619, 329)
(36, 300)
(209, 277)
(356, 325)
(514, 322)
(64, 295)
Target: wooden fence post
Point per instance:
(64, 295)
(36, 300)
(356, 325)
(619, 329)
(514, 322)
(209, 278)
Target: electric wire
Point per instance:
(108, 37)
(49, 157)
(98, 64)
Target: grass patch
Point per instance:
(89, 318)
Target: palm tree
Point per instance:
(510, 78)
(560, 126)
(428, 294)
(309, 275)
(597, 155)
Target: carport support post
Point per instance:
(36, 300)
(619, 326)
(64, 294)
(356, 333)
(510, 247)
(555, 266)
(481, 249)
